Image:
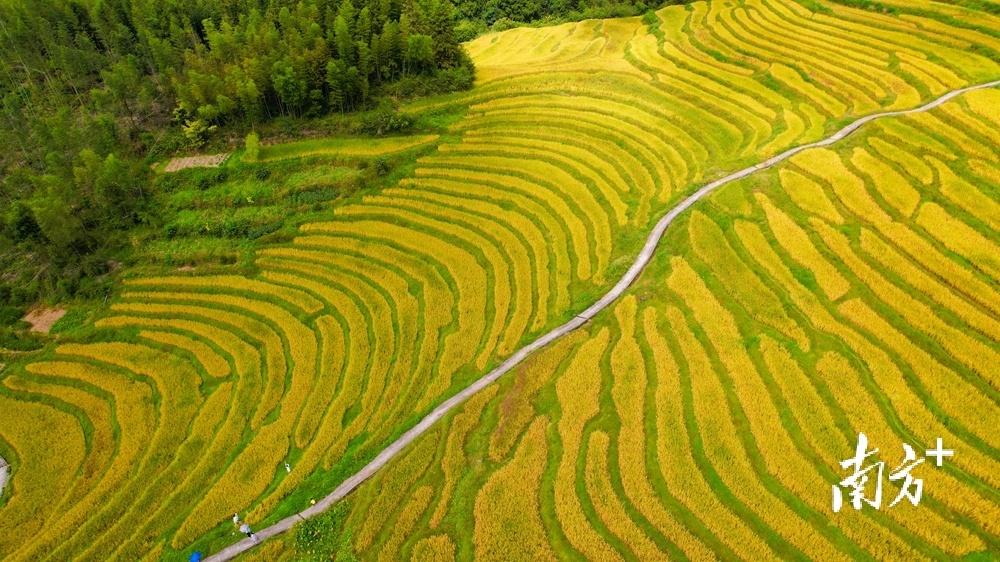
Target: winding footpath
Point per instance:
(630, 276)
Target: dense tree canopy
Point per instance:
(311, 57)
(477, 16)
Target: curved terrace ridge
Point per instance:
(640, 262)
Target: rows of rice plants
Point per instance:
(254, 394)
(345, 148)
(707, 413)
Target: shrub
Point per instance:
(314, 195)
(447, 80)
(16, 340)
(385, 120)
(455, 79)
(503, 24)
(164, 143)
(20, 224)
(254, 232)
(197, 131)
(208, 178)
(467, 30)
(10, 314)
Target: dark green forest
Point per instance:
(478, 16)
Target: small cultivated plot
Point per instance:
(345, 148)
(42, 319)
(200, 161)
(216, 216)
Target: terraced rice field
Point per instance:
(706, 414)
(853, 290)
(342, 147)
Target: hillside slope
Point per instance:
(576, 138)
(849, 290)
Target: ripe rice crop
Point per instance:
(577, 389)
(704, 416)
(709, 245)
(934, 288)
(809, 196)
(754, 406)
(849, 189)
(508, 519)
(961, 137)
(213, 363)
(967, 195)
(522, 232)
(218, 284)
(393, 486)
(887, 375)
(438, 548)
(245, 359)
(966, 405)
(507, 269)
(900, 132)
(683, 476)
(607, 503)
(454, 455)
(413, 509)
(960, 238)
(925, 252)
(471, 281)
(57, 467)
(627, 392)
(739, 485)
(888, 183)
(961, 346)
(913, 165)
(342, 147)
(796, 242)
(516, 410)
(979, 124)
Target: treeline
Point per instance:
(313, 57)
(91, 90)
(477, 16)
(219, 59)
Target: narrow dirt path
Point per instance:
(630, 276)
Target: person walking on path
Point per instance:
(236, 519)
(245, 529)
